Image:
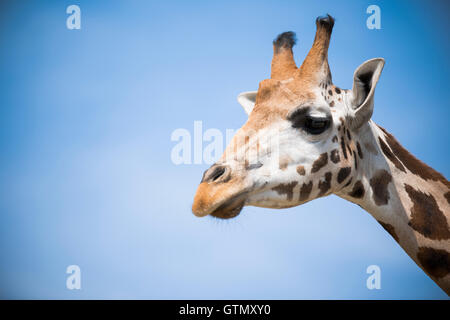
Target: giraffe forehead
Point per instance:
(281, 96)
(278, 95)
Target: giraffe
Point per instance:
(328, 144)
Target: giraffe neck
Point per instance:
(408, 198)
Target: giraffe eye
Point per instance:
(316, 125)
(312, 124)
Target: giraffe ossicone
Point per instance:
(306, 138)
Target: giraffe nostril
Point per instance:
(215, 173)
(218, 172)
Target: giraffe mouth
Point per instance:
(229, 209)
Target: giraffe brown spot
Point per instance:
(325, 185)
(286, 188)
(284, 162)
(412, 163)
(390, 229)
(379, 184)
(348, 183)
(334, 156)
(332, 104)
(338, 91)
(387, 152)
(358, 190)
(358, 148)
(447, 196)
(320, 162)
(301, 170)
(344, 150)
(426, 217)
(343, 173)
(305, 191)
(335, 139)
(435, 261)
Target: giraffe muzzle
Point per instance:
(219, 194)
(225, 208)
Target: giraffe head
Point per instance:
(297, 144)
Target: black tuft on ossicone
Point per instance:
(285, 40)
(325, 21)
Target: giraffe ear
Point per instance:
(247, 100)
(365, 80)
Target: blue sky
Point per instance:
(86, 175)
